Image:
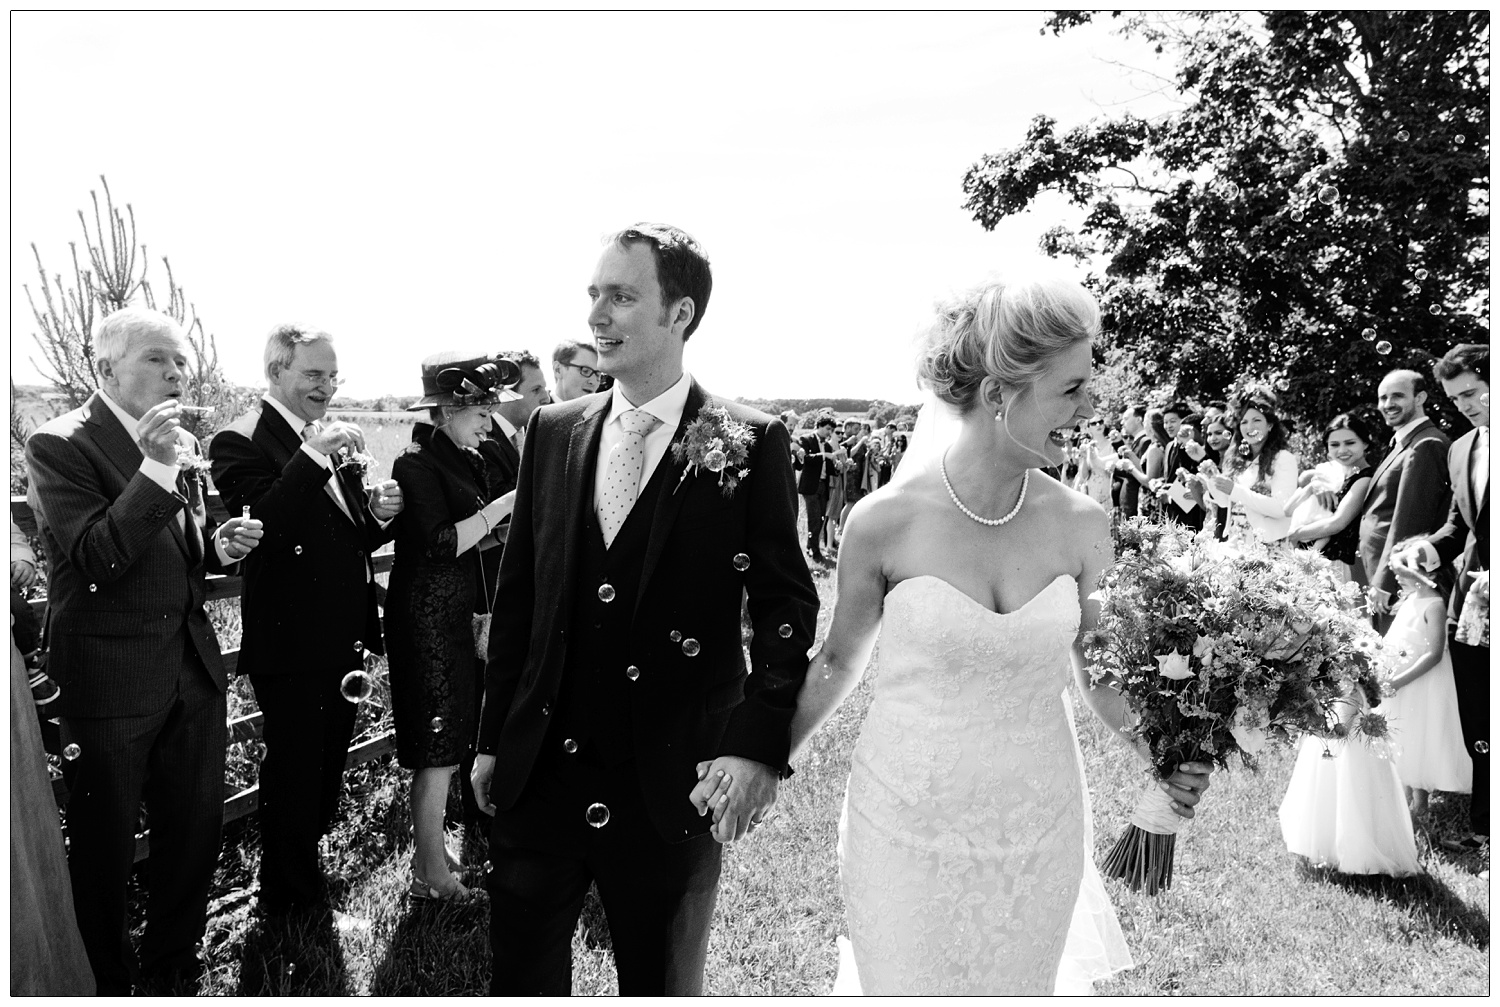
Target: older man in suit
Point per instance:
(1464, 373)
(1409, 492)
(120, 486)
(616, 662)
(309, 601)
(815, 453)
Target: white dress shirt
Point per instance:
(160, 473)
(297, 424)
(667, 407)
(517, 436)
(1398, 438)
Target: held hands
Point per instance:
(386, 500)
(738, 791)
(337, 434)
(240, 535)
(1186, 786)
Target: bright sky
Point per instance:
(416, 183)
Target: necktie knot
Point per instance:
(638, 421)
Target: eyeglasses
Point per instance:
(319, 378)
(1094, 423)
(587, 372)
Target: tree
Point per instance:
(1314, 214)
(115, 277)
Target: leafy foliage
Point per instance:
(1323, 188)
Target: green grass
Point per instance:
(1244, 917)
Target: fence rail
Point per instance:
(237, 802)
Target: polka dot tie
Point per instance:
(622, 473)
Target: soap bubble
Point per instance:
(1460, 138)
(606, 593)
(632, 673)
(597, 815)
(715, 460)
(72, 752)
(435, 725)
(1368, 335)
(570, 746)
(785, 631)
(1297, 214)
(1328, 195)
(1231, 191)
(741, 562)
(1420, 274)
(1402, 135)
(356, 687)
(1434, 309)
(1383, 348)
(674, 636)
(691, 647)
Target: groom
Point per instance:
(616, 662)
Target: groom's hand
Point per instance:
(480, 775)
(1186, 786)
(739, 791)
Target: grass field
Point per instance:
(1244, 916)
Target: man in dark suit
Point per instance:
(1464, 373)
(1138, 439)
(308, 609)
(120, 487)
(815, 456)
(616, 662)
(1409, 492)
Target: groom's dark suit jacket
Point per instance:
(1408, 496)
(682, 708)
(1467, 531)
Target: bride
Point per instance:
(962, 844)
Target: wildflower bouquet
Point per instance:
(1218, 652)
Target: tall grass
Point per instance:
(1243, 917)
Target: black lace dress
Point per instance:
(433, 596)
(1343, 546)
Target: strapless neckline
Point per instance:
(975, 602)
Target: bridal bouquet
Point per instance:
(1217, 653)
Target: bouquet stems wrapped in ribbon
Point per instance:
(1217, 653)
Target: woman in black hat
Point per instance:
(437, 597)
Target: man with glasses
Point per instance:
(575, 369)
(309, 599)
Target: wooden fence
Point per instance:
(237, 802)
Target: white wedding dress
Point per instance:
(964, 850)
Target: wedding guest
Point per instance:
(1183, 453)
(1464, 373)
(816, 461)
(46, 952)
(1214, 410)
(1409, 492)
(856, 446)
(435, 594)
(1349, 441)
(1130, 477)
(1096, 463)
(836, 478)
(1143, 461)
(120, 486)
(1261, 475)
(874, 458)
(1217, 438)
(575, 369)
(308, 609)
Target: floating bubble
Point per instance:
(1368, 335)
(1282, 384)
(1328, 195)
(72, 752)
(606, 593)
(359, 646)
(1460, 138)
(1482, 747)
(741, 562)
(1413, 287)
(435, 725)
(785, 631)
(1420, 274)
(356, 687)
(1231, 191)
(1297, 214)
(597, 815)
(632, 673)
(1385, 114)
(1402, 135)
(691, 647)
(1383, 347)
(675, 636)
(715, 460)
(570, 746)
(1434, 309)
(93, 588)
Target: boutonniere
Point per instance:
(715, 442)
(356, 463)
(190, 462)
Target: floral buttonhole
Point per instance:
(717, 443)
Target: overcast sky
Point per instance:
(416, 183)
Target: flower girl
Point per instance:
(1424, 711)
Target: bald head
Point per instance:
(1401, 396)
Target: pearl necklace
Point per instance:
(991, 522)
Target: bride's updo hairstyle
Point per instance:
(1003, 332)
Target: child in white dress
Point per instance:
(1424, 711)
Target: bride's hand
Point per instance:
(1186, 786)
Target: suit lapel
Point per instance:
(669, 501)
(578, 480)
(291, 442)
(120, 448)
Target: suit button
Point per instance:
(632, 673)
(93, 588)
(297, 549)
(546, 709)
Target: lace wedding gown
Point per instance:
(965, 863)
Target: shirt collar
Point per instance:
(130, 423)
(1406, 428)
(297, 423)
(667, 407)
(505, 425)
